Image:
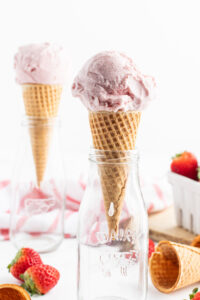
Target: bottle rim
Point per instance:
(113, 156)
(30, 121)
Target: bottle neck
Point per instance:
(40, 122)
(112, 157)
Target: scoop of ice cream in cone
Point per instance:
(44, 63)
(42, 70)
(110, 81)
(115, 92)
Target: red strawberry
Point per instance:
(24, 259)
(195, 294)
(40, 279)
(185, 164)
(151, 247)
(151, 250)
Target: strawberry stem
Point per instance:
(194, 291)
(198, 173)
(29, 284)
(22, 276)
(176, 155)
(15, 260)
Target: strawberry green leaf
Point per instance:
(198, 173)
(29, 285)
(21, 276)
(15, 260)
(194, 291)
(176, 156)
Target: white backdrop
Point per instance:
(161, 36)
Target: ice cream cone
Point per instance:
(114, 132)
(41, 103)
(115, 92)
(196, 242)
(13, 292)
(174, 266)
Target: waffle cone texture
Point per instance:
(41, 103)
(114, 132)
(13, 292)
(174, 266)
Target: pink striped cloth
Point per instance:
(157, 196)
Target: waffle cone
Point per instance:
(114, 131)
(13, 292)
(41, 102)
(196, 242)
(174, 266)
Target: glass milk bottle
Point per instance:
(38, 187)
(113, 230)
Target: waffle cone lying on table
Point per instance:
(115, 93)
(174, 266)
(41, 70)
(196, 242)
(13, 292)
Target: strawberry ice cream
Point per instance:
(41, 63)
(110, 81)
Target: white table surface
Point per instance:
(64, 259)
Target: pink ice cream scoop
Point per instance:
(110, 81)
(41, 63)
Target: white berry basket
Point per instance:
(186, 193)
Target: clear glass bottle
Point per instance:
(38, 187)
(112, 238)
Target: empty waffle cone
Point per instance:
(174, 266)
(114, 132)
(41, 103)
(13, 292)
(196, 242)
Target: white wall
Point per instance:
(162, 36)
